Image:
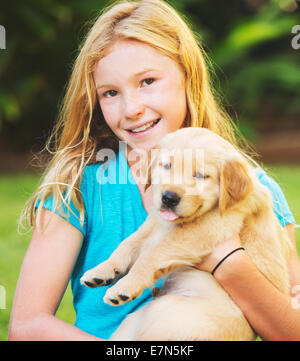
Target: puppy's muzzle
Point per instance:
(170, 199)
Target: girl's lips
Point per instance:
(144, 132)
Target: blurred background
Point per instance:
(254, 52)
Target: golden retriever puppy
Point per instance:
(204, 192)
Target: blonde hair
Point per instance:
(81, 130)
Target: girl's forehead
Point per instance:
(131, 45)
(129, 53)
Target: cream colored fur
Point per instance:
(229, 200)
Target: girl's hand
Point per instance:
(222, 249)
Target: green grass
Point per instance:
(14, 192)
(16, 189)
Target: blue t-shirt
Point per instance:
(114, 210)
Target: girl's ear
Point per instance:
(235, 184)
(152, 156)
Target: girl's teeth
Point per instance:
(144, 127)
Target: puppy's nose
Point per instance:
(170, 199)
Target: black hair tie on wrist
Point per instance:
(223, 259)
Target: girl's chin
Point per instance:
(140, 148)
(145, 145)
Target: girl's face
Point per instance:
(141, 93)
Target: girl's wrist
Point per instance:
(226, 263)
(233, 266)
(225, 257)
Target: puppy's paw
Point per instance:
(121, 292)
(102, 275)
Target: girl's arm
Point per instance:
(273, 315)
(44, 276)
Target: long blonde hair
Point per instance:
(81, 129)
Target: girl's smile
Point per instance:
(141, 93)
(145, 128)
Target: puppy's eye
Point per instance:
(200, 175)
(167, 165)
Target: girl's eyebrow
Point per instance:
(98, 86)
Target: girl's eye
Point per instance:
(110, 93)
(148, 81)
(167, 165)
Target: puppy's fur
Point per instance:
(219, 198)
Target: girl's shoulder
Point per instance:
(89, 175)
(110, 171)
(280, 204)
(90, 170)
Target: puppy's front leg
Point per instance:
(120, 260)
(153, 263)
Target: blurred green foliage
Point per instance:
(248, 42)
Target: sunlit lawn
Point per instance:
(15, 190)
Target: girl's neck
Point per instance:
(138, 167)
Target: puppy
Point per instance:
(204, 192)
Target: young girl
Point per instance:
(139, 75)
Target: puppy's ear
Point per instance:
(151, 159)
(235, 184)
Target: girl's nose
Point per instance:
(133, 107)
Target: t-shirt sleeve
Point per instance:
(72, 215)
(280, 205)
